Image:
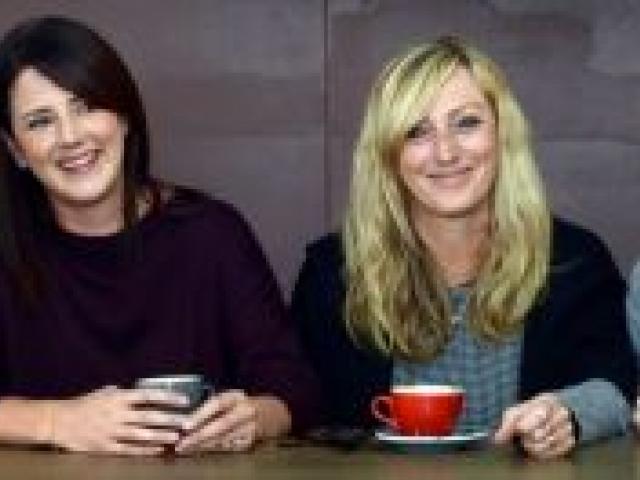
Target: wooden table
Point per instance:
(614, 460)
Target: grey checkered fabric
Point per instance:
(488, 371)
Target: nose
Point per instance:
(68, 130)
(446, 148)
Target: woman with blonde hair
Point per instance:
(450, 268)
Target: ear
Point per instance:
(18, 157)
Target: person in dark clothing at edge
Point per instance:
(450, 268)
(108, 275)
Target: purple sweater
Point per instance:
(199, 298)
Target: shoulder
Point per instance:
(207, 228)
(195, 210)
(326, 250)
(583, 278)
(320, 281)
(324, 262)
(576, 247)
(187, 202)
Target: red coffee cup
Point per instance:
(431, 410)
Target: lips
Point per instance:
(80, 162)
(444, 175)
(451, 180)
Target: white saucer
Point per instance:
(407, 443)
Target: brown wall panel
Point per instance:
(259, 101)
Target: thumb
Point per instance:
(508, 428)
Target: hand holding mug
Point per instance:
(109, 420)
(226, 422)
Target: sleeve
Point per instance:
(633, 309)
(266, 353)
(600, 409)
(309, 307)
(349, 376)
(593, 316)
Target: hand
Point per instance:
(226, 422)
(543, 424)
(108, 421)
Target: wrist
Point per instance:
(45, 431)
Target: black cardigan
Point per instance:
(576, 331)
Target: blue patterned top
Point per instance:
(488, 371)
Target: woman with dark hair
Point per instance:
(108, 276)
(451, 269)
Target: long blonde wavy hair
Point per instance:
(397, 300)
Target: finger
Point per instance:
(533, 421)
(239, 440)
(557, 442)
(146, 436)
(507, 429)
(155, 418)
(564, 444)
(215, 406)
(218, 428)
(553, 448)
(560, 418)
(222, 427)
(555, 417)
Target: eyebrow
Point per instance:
(464, 106)
(47, 110)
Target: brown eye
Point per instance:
(419, 130)
(39, 122)
(468, 121)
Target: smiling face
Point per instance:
(75, 151)
(448, 160)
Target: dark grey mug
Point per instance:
(194, 387)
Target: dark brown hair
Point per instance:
(79, 60)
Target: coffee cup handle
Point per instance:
(382, 410)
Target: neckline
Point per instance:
(79, 243)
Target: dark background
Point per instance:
(259, 101)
